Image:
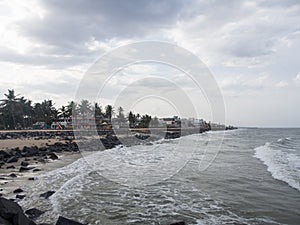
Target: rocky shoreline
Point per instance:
(17, 161)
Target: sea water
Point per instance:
(245, 176)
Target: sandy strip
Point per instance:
(29, 142)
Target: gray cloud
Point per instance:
(46, 60)
(69, 24)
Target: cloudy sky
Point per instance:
(252, 49)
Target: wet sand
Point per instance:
(8, 184)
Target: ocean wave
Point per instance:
(283, 162)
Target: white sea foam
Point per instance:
(282, 163)
(82, 193)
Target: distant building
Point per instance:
(170, 122)
(215, 126)
(192, 122)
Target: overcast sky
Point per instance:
(252, 48)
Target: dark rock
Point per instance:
(15, 152)
(31, 178)
(142, 136)
(25, 168)
(43, 149)
(30, 151)
(178, 223)
(20, 196)
(24, 163)
(11, 167)
(41, 160)
(36, 170)
(18, 190)
(33, 213)
(47, 194)
(64, 221)
(13, 213)
(12, 175)
(4, 222)
(53, 156)
(1, 163)
(4, 154)
(12, 159)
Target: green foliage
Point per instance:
(121, 117)
(109, 112)
(145, 121)
(138, 121)
(132, 120)
(17, 112)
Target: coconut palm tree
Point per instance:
(145, 121)
(45, 112)
(63, 112)
(84, 109)
(120, 115)
(25, 109)
(9, 109)
(109, 111)
(98, 110)
(72, 108)
(131, 119)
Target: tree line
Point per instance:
(18, 112)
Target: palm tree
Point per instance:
(25, 109)
(72, 108)
(9, 106)
(63, 112)
(84, 108)
(120, 115)
(109, 111)
(145, 121)
(131, 119)
(98, 110)
(49, 111)
(45, 112)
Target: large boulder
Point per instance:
(47, 194)
(25, 168)
(33, 213)
(12, 159)
(178, 223)
(4, 222)
(30, 151)
(18, 190)
(4, 154)
(24, 163)
(53, 156)
(13, 213)
(64, 221)
(20, 196)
